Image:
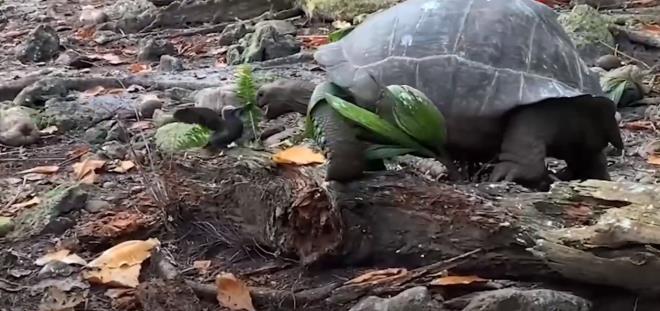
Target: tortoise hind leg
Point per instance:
(345, 153)
(523, 151)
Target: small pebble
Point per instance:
(92, 16)
(170, 63)
(609, 62)
(95, 206)
(148, 106)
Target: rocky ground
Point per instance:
(93, 81)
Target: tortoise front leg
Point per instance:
(345, 153)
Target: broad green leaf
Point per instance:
(617, 91)
(376, 124)
(340, 33)
(377, 152)
(416, 114)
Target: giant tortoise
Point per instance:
(504, 73)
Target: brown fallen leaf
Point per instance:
(202, 266)
(124, 166)
(127, 276)
(457, 280)
(85, 170)
(33, 201)
(380, 276)
(233, 293)
(120, 265)
(298, 155)
(63, 255)
(48, 169)
(125, 253)
(654, 159)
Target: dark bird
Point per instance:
(227, 127)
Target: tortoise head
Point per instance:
(284, 96)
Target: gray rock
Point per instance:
(414, 299)
(89, 15)
(161, 118)
(42, 45)
(132, 15)
(95, 206)
(234, 32)
(216, 97)
(235, 54)
(152, 50)
(148, 105)
(17, 127)
(271, 39)
(114, 150)
(72, 199)
(74, 59)
(170, 63)
(511, 299)
(69, 115)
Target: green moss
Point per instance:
(343, 9)
(586, 26)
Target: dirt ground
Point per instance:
(175, 199)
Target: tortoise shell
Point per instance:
(475, 59)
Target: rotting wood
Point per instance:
(641, 37)
(596, 231)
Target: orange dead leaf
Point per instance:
(457, 280)
(120, 265)
(63, 255)
(138, 68)
(233, 293)
(654, 159)
(85, 170)
(123, 276)
(380, 276)
(49, 169)
(202, 265)
(640, 126)
(125, 253)
(123, 167)
(314, 41)
(86, 33)
(33, 201)
(299, 155)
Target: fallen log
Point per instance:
(595, 232)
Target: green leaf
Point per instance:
(340, 33)
(376, 124)
(616, 91)
(416, 115)
(377, 152)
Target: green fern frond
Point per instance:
(247, 93)
(197, 136)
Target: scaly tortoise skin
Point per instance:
(506, 76)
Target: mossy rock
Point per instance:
(589, 31)
(177, 136)
(343, 9)
(58, 201)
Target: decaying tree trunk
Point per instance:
(595, 232)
